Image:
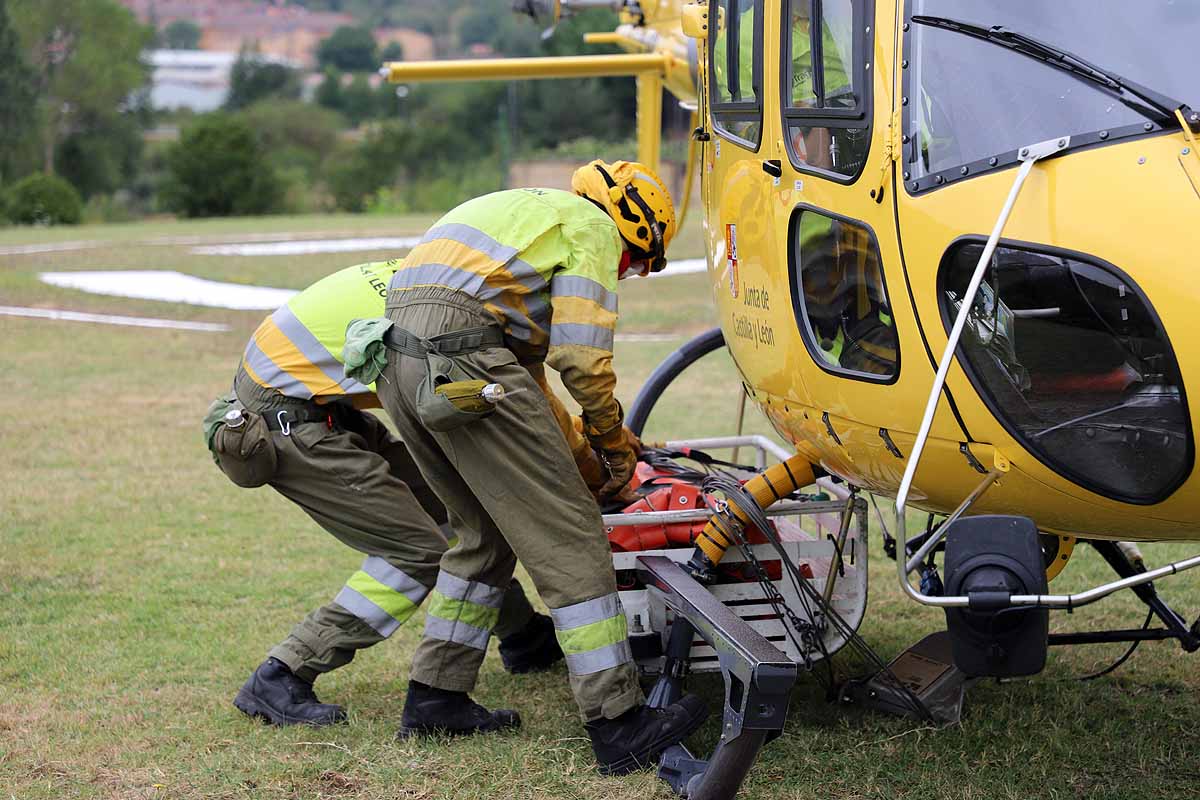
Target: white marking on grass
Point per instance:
(682, 266)
(57, 247)
(177, 287)
(646, 337)
(307, 247)
(171, 286)
(109, 319)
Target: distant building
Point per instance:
(192, 79)
(273, 28)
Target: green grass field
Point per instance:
(139, 588)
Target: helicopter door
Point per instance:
(855, 339)
(739, 223)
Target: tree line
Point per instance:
(75, 111)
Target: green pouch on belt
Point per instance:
(365, 354)
(216, 417)
(447, 397)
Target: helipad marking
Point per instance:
(309, 246)
(682, 266)
(171, 286)
(109, 319)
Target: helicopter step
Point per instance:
(927, 671)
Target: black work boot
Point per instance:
(534, 648)
(637, 738)
(277, 695)
(429, 711)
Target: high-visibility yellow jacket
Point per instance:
(297, 351)
(544, 262)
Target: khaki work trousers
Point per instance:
(513, 484)
(360, 484)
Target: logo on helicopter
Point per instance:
(732, 256)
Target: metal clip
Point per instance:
(971, 459)
(285, 424)
(829, 427)
(889, 444)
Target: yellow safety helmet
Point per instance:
(637, 201)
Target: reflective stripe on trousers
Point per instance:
(463, 612)
(381, 595)
(593, 634)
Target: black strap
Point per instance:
(452, 343)
(282, 419)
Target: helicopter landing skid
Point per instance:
(1174, 625)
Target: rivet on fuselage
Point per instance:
(1142, 160)
(1103, 135)
(964, 171)
(993, 161)
(1149, 126)
(939, 180)
(907, 175)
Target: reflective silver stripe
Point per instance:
(269, 372)
(523, 272)
(475, 592)
(521, 325)
(472, 238)
(439, 275)
(527, 275)
(457, 632)
(588, 289)
(614, 655)
(587, 612)
(576, 333)
(312, 349)
(396, 580)
(353, 601)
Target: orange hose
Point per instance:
(766, 488)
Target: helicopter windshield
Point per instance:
(976, 101)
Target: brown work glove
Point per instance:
(634, 441)
(590, 467)
(618, 454)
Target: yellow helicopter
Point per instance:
(944, 240)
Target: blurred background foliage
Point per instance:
(346, 143)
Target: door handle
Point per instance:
(773, 167)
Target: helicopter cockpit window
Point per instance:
(1072, 360)
(736, 69)
(839, 297)
(825, 85)
(973, 102)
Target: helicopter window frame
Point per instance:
(864, 38)
(1085, 140)
(741, 110)
(800, 313)
(990, 402)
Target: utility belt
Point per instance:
(448, 397)
(282, 419)
(240, 438)
(453, 343)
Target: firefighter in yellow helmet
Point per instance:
(497, 288)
